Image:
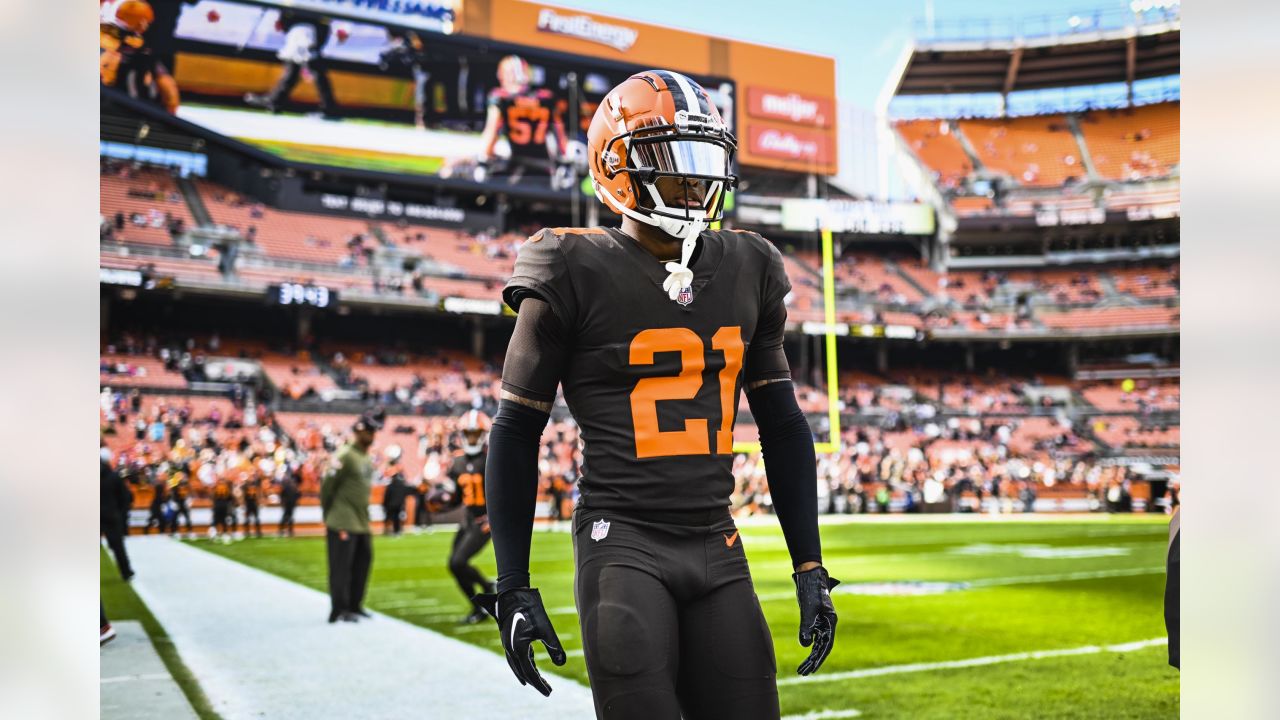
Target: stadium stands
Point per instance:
(141, 205)
(184, 421)
(872, 277)
(1129, 432)
(1148, 283)
(1037, 151)
(1136, 143)
(120, 370)
(287, 235)
(1128, 318)
(937, 147)
(1146, 396)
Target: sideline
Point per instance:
(261, 648)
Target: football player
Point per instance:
(530, 121)
(652, 330)
(124, 60)
(305, 39)
(467, 475)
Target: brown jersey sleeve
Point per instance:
(765, 359)
(536, 354)
(542, 271)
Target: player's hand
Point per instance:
(521, 620)
(342, 535)
(483, 522)
(817, 616)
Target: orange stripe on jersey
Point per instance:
(578, 231)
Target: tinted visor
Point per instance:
(684, 157)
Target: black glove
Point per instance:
(521, 620)
(817, 616)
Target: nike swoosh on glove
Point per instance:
(817, 616)
(522, 620)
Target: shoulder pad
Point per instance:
(542, 271)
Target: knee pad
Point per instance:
(620, 640)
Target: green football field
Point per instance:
(984, 619)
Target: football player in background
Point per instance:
(304, 40)
(467, 475)
(124, 60)
(652, 330)
(406, 49)
(529, 119)
(394, 493)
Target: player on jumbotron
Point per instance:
(527, 118)
(652, 330)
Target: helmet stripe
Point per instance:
(686, 87)
(678, 96)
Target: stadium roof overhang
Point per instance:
(944, 67)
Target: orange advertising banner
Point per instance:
(789, 106)
(582, 33)
(802, 148)
(788, 95)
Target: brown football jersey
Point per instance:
(468, 472)
(654, 383)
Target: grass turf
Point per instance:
(122, 603)
(1015, 587)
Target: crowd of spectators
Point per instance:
(954, 466)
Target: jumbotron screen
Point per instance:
(385, 91)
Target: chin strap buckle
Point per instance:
(681, 276)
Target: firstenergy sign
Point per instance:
(586, 28)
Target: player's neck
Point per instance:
(656, 242)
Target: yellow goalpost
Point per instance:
(832, 444)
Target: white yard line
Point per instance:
(824, 715)
(260, 647)
(1065, 577)
(973, 662)
(131, 678)
(133, 681)
(852, 588)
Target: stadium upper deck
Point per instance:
(1068, 166)
(381, 262)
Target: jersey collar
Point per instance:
(709, 254)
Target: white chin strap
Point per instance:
(681, 276)
(687, 230)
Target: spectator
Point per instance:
(114, 500)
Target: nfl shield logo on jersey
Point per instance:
(685, 296)
(599, 530)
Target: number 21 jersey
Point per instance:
(654, 383)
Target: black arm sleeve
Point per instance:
(511, 488)
(791, 467)
(535, 360)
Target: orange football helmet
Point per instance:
(513, 74)
(475, 431)
(134, 15)
(656, 131)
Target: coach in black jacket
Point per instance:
(113, 512)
